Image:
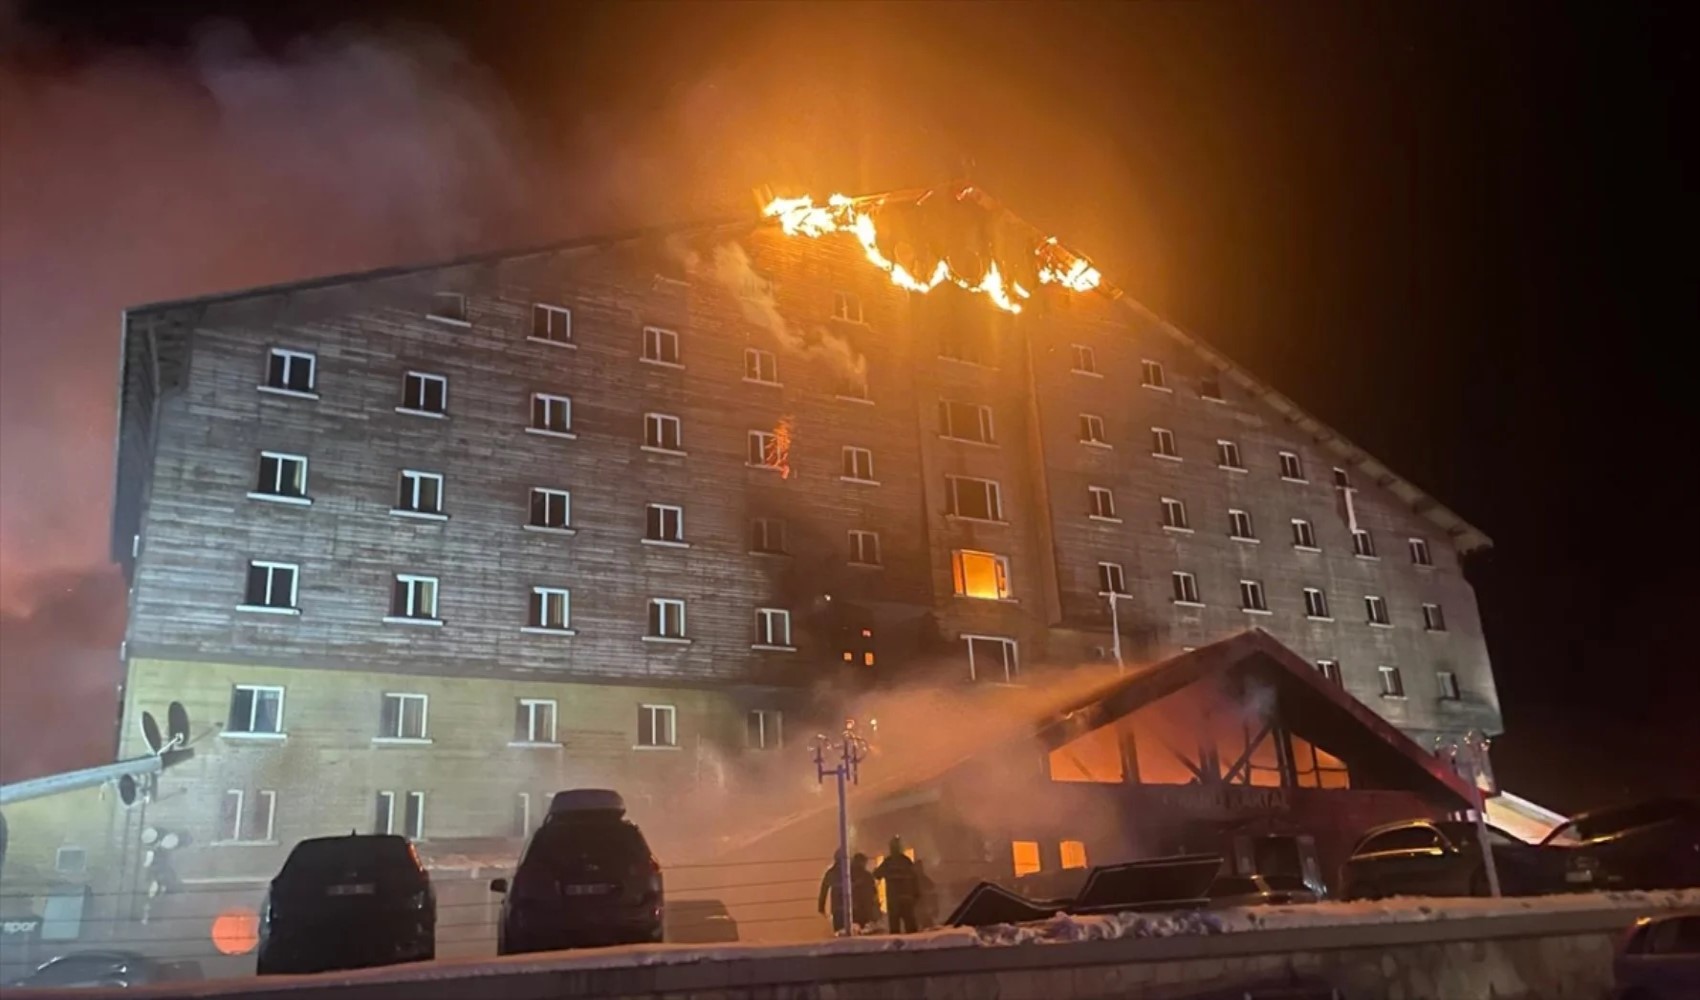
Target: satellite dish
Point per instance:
(150, 733)
(150, 835)
(177, 723)
(168, 842)
(127, 795)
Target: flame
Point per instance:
(842, 214)
(781, 457)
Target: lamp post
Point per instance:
(850, 748)
(1468, 756)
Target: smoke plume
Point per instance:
(732, 269)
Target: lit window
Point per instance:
(847, 307)
(661, 432)
(1185, 587)
(419, 492)
(271, 586)
(404, 717)
(1101, 503)
(449, 307)
(661, 346)
(664, 523)
(1110, 579)
(255, 710)
(858, 465)
(1174, 514)
(1419, 553)
(1392, 682)
(1239, 526)
(424, 393)
(980, 574)
(767, 536)
(992, 658)
(1163, 443)
(978, 499)
(1228, 456)
(551, 323)
(1151, 375)
(1363, 544)
(965, 421)
(760, 366)
(1251, 596)
(1448, 682)
(551, 414)
(282, 476)
(1073, 854)
(1376, 609)
(414, 598)
(1304, 535)
(534, 720)
(1316, 603)
(657, 726)
(551, 609)
(1292, 468)
(1330, 670)
(763, 730)
(1085, 361)
(291, 372)
(773, 627)
(1025, 854)
(864, 547)
(1433, 619)
(666, 618)
(550, 509)
(1092, 429)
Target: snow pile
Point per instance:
(1065, 928)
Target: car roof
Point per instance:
(585, 800)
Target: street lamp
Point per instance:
(851, 748)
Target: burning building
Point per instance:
(418, 547)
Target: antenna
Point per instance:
(150, 733)
(177, 723)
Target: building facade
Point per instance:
(417, 548)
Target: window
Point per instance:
(773, 627)
(1376, 609)
(764, 451)
(255, 710)
(657, 726)
(1151, 375)
(661, 346)
(858, 464)
(522, 816)
(419, 492)
(666, 618)
(965, 421)
(1184, 587)
(979, 499)
(864, 547)
(70, 860)
(1025, 855)
(760, 366)
(422, 392)
(1228, 456)
(1210, 387)
(1085, 361)
(1433, 619)
(1363, 544)
(1163, 443)
(384, 820)
(413, 821)
(415, 597)
(661, 432)
(1316, 603)
(551, 414)
(248, 819)
(551, 323)
(1292, 469)
(534, 720)
(1251, 596)
(404, 717)
(1239, 526)
(980, 574)
(448, 306)
(271, 585)
(292, 371)
(1101, 503)
(1304, 535)
(1341, 479)
(665, 523)
(992, 658)
(965, 344)
(551, 609)
(762, 730)
(1330, 670)
(1110, 578)
(767, 535)
(1092, 429)
(282, 476)
(1392, 683)
(550, 509)
(1072, 853)
(1419, 553)
(847, 307)
(1174, 514)
(1448, 682)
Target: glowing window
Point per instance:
(1073, 854)
(981, 574)
(1025, 854)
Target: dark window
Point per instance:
(255, 710)
(767, 535)
(425, 393)
(1407, 838)
(665, 524)
(291, 370)
(965, 421)
(552, 323)
(551, 413)
(976, 498)
(450, 306)
(270, 585)
(1291, 467)
(959, 344)
(550, 508)
(1210, 387)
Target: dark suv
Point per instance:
(348, 903)
(1443, 858)
(1647, 845)
(587, 879)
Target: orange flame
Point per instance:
(781, 457)
(842, 214)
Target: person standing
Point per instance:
(864, 893)
(902, 888)
(829, 892)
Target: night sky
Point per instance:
(1462, 234)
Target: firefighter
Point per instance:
(902, 887)
(864, 893)
(829, 892)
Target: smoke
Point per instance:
(732, 269)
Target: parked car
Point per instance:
(700, 921)
(1442, 858)
(111, 969)
(1659, 959)
(1259, 890)
(1647, 845)
(348, 902)
(587, 879)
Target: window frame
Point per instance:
(1363, 544)
(271, 566)
(759, 355)
(1183, 589)
(254, 691)
(656, 712)
(1011, 656)
(1095, 509)
(460, 315)
(241, 817)
(531, 737)
(766, 444)
(549, 401)
(863, 535)
(414, 804)
(1228, 456)
(1001, 582)
(1254, 600)
(1304, 535)
(1330, 671)
(992, 492)
(1086, 352)
(538, 608)
(387, 798)
(289, 356)
(411, 583)
(550, 313)
(842, 303)
(850, 456)
(410, 480)
(763, 529)
(985, 428)
(656, 419)
(424, 379)
(767, 637)
(1235, 518)
(1298, 464)
(1447, 682)
(1420, 552)
(661, 510)
(1206, 383)
(549, 494)
(1434, 618)
(1376, 611)
(1174, 514)
(658, 616)
(761, 717)
(1316, 605)
(281, 460)
(1152, 376)
(1092, 432)
(1392, 682)
(656, 337)
(1164, 445)
(1112, 579)
(402, 699)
